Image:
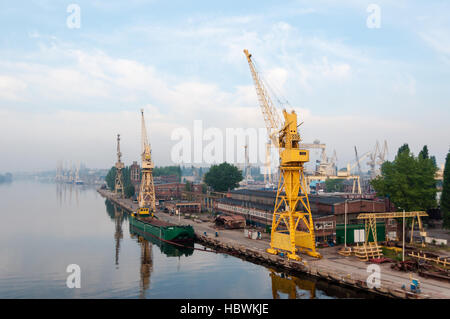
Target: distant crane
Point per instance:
(147, 190)
(248, 168)
(78, 180)
(268, 181)
(118, 184)
(382, 155)
(347, 173)
(377, 157)
(292, 228)
(59, 172)
(70, 181)
(357, 160)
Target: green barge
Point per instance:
(161, 229)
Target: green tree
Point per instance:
(428, 167)
(129, 191)
(167, 170)
(408, 180)
(111, 178)
(126, 179)
(334, 185)
(445, 196)
(223, 177)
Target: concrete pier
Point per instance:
(346, 271)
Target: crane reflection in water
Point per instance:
(286, 284)
(147, 241)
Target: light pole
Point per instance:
(345, 225)
(403, 250)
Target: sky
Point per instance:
(66, 92)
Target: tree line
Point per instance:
(128, 188)
(167, 170)
(409, 182)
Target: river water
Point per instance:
(46, 227)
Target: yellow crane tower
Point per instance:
(147, 190)
(118, 187)
(292, 223)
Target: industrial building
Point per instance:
(183, 207)
(135, 175)
(168, 191)
(328, 212)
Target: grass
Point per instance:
(392, 254)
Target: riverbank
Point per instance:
(345, 271)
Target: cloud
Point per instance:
(439, 41)
(11, 88)
(73, 98)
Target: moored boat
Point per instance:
(166, 231)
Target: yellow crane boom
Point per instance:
(118, 185)
(147, 190)
(271, 116)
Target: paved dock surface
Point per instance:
(332, 265)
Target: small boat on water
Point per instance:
(150, 224)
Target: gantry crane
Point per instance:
(347, 174)
(147, 190)
(118, 185)
(292, 223)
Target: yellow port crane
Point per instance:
(292, 223)
(147, 190)
(118, 185)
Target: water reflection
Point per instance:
(283, 283)
(147, 242)
(118, 234)
(146, 264)
(65, 192)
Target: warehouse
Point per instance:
(328, 213)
